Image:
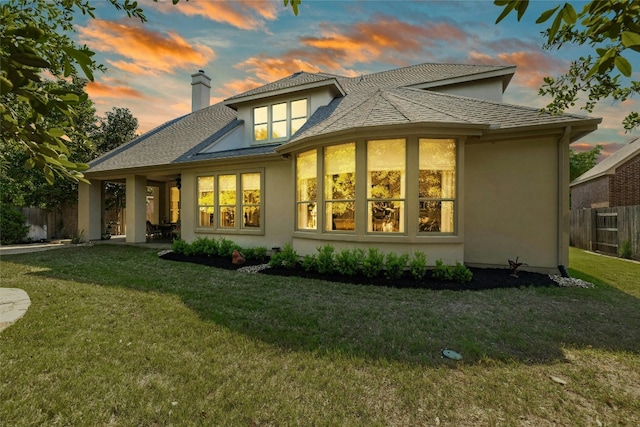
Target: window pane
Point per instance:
(386, 169)
(260, 132)
(340, 216)
(279, 112)
(306, 170)
(296, 124)
(436, 216)
(251, 216)
(227, 189)
(260, 115)
(299, 108)
(339, 170)
(437, 168)
(227, 216)
(278, 129)
(205, 190)
(386, 217)
(307, 214)
(205, 217)
(251, 188)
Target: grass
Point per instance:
(115, 336)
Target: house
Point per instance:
(425, 157)
(615, 181)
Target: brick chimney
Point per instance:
(200, 90)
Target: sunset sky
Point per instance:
(243, 44)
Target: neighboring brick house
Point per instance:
(615, 181)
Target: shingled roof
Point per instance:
(609, 165)
(393, 97)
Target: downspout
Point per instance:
(562, 249)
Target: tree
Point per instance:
(612, 29)
(35, 38)
(579, 163)
(116, 128)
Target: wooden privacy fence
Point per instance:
(605, 229)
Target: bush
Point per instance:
(310, 262)
(348, 261)
(287, 258)
(226, 247)
(77, 237)
(260, 252)
(442, 271)
(625, 249)
(418, 265)
(204, 247)
(12, 228)
(372, 264)
(394, 265)
(180, 246)
(462, 274)
(326, 264)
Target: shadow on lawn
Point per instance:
(529, 325)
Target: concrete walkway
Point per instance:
(13, 305)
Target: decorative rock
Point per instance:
(236, 258)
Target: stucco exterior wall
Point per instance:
(489, 89)
(591, 194)
(511, 203)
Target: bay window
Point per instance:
(250, 200)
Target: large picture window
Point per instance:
(340, 187)
(306, 190)
(437, 185)
(278, 121)
(223, 197)
(386, 169)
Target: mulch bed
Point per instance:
(483, 278)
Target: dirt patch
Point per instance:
(483, 278)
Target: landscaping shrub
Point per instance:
(348, 261)
(310, 262)
(442, 271)
(204, 247)
(287, 258)
(418, 265)
(226, 247)
(326, 264)
(179, 246)
(461, 273)
(12, 228)
(394, 265)
(260, 252)
(373, 263)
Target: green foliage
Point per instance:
(12, 228)
(204, 247)
(310, 262)
(442, 271)
(418, 265)
(260, 252)
(348, 261)
(461, 273)
(77, 237)
(625, 249)
(611, 29)
(394, 265)
(325, 263)
(372, 263)
(579, 163)
(180, 246)
(226, 247)
(287, 258)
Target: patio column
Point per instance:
(136, 209)
(90, 209)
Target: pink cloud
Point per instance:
(148, 51)
(96, 89)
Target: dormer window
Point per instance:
(276, 122)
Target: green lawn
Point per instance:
(115, 336)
